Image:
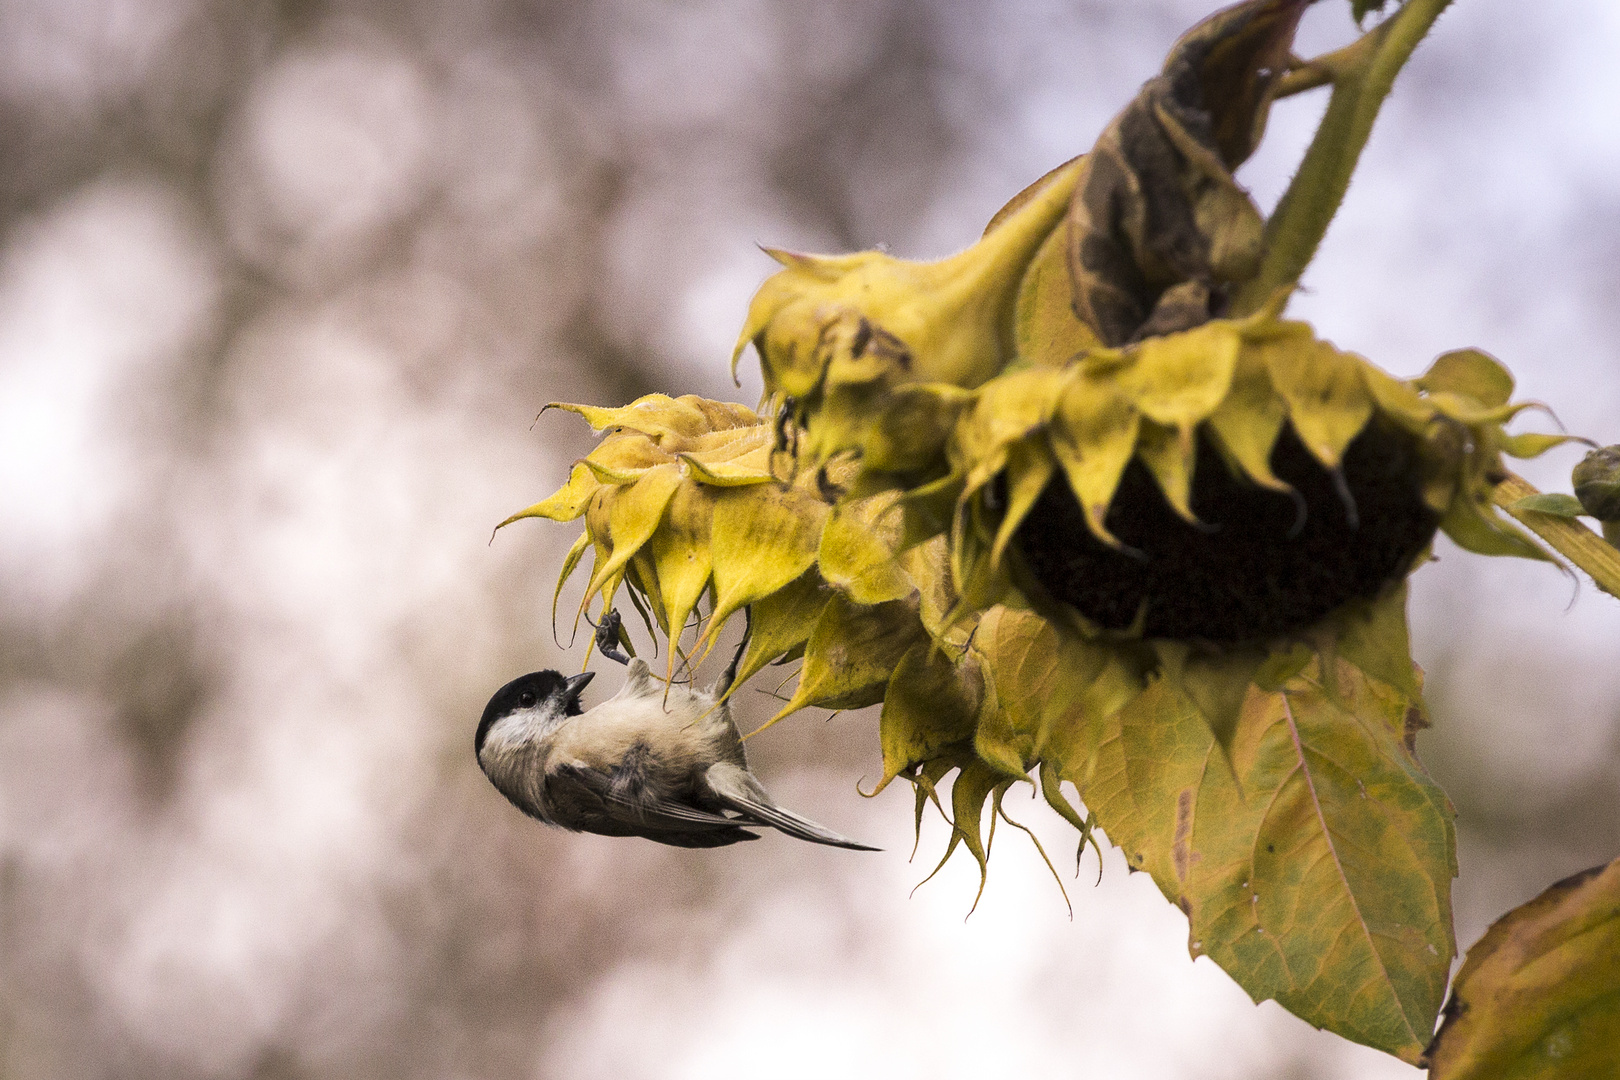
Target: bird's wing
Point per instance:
(736, 789)
(609, 806)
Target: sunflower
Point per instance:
(1080, 507)
(686, 502)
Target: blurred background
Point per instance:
(282, 288)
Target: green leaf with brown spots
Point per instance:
(1539, 996)
(1314, 862)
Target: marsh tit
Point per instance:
(638, 764)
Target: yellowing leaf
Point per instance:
(1372, 635)
(1043, 683)
(1319, 874)
(1323, 877)
(1538, 998)
(1216, 682)
(1474, 526)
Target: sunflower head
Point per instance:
(837, 334)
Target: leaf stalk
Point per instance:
(1362, 74)
(1565, 535)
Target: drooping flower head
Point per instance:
(1080, 506)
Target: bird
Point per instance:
(668, 767)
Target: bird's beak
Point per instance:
(575, 686)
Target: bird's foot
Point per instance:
(609, 634)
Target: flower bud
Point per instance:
(1597, 483)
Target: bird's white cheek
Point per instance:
(517, 730)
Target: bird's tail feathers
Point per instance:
(733, 790)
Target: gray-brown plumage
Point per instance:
(670, 770)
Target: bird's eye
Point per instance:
(526, 699)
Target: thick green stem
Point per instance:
(1565, 535)
(1362, 75)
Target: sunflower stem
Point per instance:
(1567, 536)
(1362, 74)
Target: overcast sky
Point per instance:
(282, 288)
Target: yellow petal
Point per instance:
(1030, 466)
(1008, 409)
(763, 537)
(1398, 398)
(753, 468)
(568, 503)
(1170, 456)
(570, 563)
(652, 415)
(857, 553)
(1248, 422)
(679, 551)
(910, 431)
(1180, 379)
(780, 624)
(622, 459)
(1328, 402)
(1094, 436)
(633, 516)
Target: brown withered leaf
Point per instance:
(1158, 230)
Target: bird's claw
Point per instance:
(609, 632)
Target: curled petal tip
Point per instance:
(787, 258)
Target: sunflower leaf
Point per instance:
(1539, 995)
(1317, 871)
(1565, 506)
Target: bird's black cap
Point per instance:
(526, 691)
